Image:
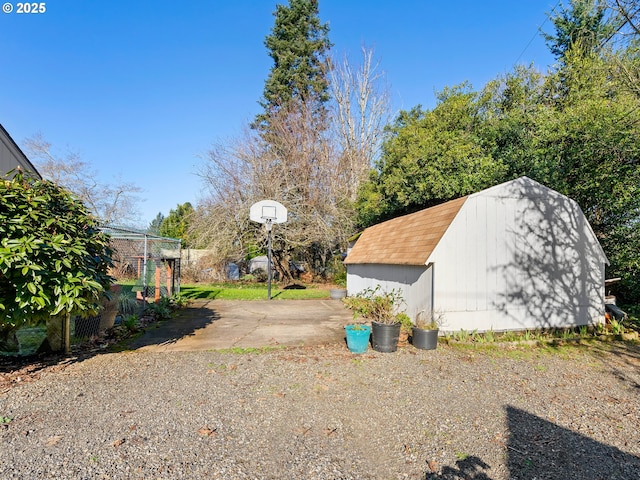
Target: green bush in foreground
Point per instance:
(53, 259)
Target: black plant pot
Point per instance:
(424, 339)
(384, 337)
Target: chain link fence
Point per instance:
(152, 262)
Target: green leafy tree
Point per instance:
(176, 224)
(430, 157)
(575, 130)
(591, 143)
(53, 259)
(298, 44)
(512, 105)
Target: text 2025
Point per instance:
(31, 7)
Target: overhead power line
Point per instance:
(538, 31)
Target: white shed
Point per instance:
(515, 256)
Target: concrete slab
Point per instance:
(223, 324)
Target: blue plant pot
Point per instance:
(358, 337)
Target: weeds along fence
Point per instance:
(150, 261)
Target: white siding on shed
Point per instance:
(412, 281)
(518, 256)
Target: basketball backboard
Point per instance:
(268, 211)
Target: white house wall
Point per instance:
(518, 256)
(413, 282)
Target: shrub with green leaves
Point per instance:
(160, 310)
(376, 305)
(53, 258)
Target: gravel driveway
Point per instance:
(323, 413)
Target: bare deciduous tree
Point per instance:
(624, 59)
(110, 203)
(360, 111)
(312, 164)
(301, 171)
(629, 12)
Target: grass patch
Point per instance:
(241, 291)
(540, 337)
(514, 351)
(543, 344)
(249, 291)
(30, 339)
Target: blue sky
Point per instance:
(142, 89)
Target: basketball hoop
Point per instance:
(268, 212)
(268, 215)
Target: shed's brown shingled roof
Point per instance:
(406, 240)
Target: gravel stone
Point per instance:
(324, 413)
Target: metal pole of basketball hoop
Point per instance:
(268, 225)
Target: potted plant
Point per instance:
(381, 308)
(424, 334)
(357, 337)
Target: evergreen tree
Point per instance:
(154, 226)
(176, 224)
(298, 44)
(583, 24)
